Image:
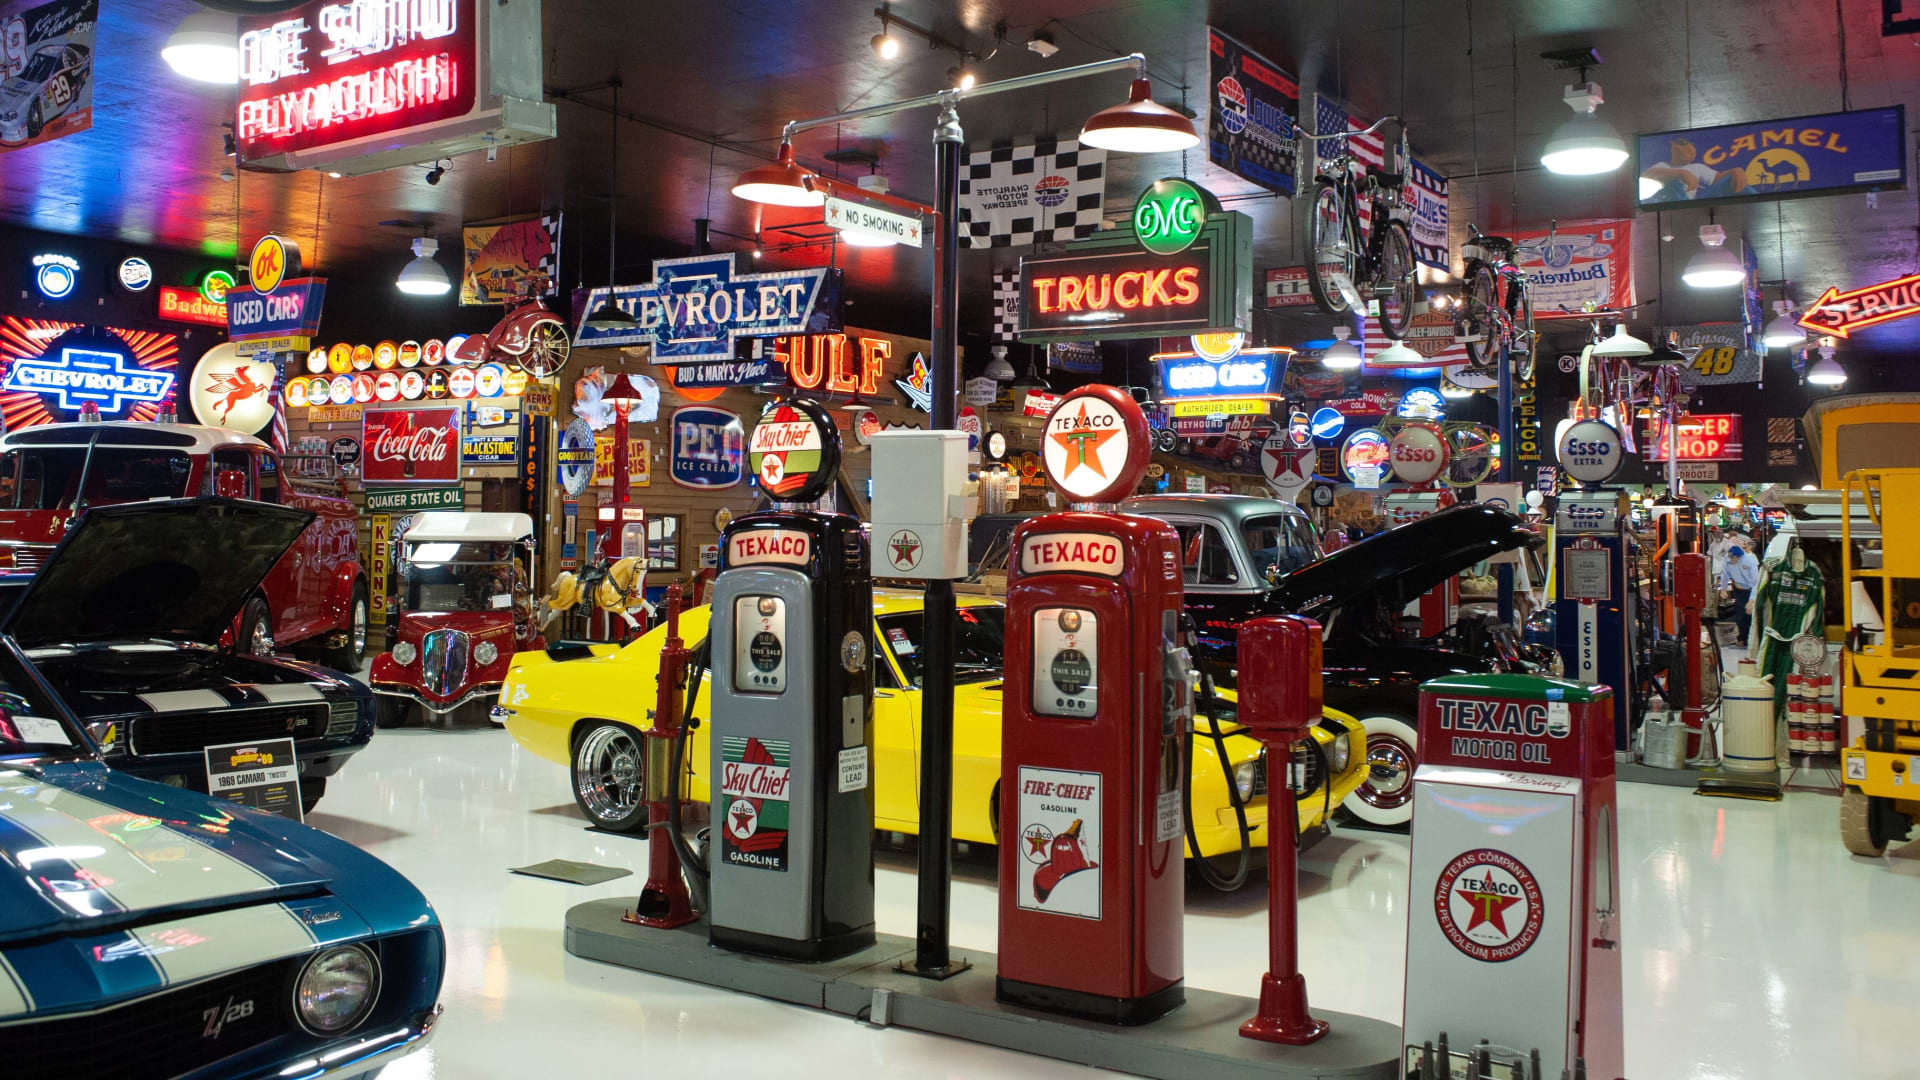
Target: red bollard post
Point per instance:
(1690, 596)
(663, 901)
(1277, 708)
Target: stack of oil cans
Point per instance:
(1811, 726)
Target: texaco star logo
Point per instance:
(1488, 905)
(905, 548)
(1036, 840)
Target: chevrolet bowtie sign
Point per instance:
(109, 380)
(695, 309)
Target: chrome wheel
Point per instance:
(1385, 797)
(608, 776)
(359, 628)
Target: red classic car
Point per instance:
(315, 596)
(463, 609)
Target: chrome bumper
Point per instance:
(437, 708)
(365, 1054)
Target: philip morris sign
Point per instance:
(405, 445)
(695, 309)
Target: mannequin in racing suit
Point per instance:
(1787, 604)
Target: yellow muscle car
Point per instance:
(583, 706)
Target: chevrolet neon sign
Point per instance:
(109, 380)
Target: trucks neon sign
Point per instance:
(344, 70)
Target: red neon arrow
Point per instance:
(1841, 313)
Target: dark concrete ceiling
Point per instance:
(708, 86)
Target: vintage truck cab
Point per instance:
(314, 597)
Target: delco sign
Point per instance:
(789, 547)
(1081, 553)
(292, 310)
(696, 309)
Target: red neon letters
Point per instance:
(1129, 290)
(822, 359)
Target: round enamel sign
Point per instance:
(359, 360)
(386, 386)
(795, 450)
(317, 361)
(866, 424)
(433, 352)
(1489, 905)
(1286, 467)
(462, 381)
(1095, 447)
(1365, 457)
(1590, 451)
(1419, 453)
(296, 393)
(412, 385)
(363, 388)
(340, 391)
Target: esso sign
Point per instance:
(1419, 453)
(1590, 451)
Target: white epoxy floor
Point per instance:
(1755, 946)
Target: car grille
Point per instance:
(443, 661)
(342, 717)
(163, 1035)
(1309, 771)
(192, 732)
(30, 557)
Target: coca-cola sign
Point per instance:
(403, 445)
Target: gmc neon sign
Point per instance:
(335, 71)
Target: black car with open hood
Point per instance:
(1244, 559)
(126, 621)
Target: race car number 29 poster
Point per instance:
(46, 58)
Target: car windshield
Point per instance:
(1278, 543)
(42, 67)
(979, 647)
(460, 577)
(30, 727)
(48, 477)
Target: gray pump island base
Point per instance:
(1200, 1039)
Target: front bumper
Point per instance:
(364, 1053)
(437, 708)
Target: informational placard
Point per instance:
(263, 775)
(1795, 157)
(1586, 571)
(851, 215)
(1252, 128)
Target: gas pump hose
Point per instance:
(697, 871)
(1201, 864)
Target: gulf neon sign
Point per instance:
(823, 362)
(333, 71)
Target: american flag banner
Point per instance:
(1048, 191)
(1367, 153)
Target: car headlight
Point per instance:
(336, 990)
(1339, 752)
(485, 653)
(1244, 775)
(404, 653)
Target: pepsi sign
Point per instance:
(1590, 451)
(1328, 423)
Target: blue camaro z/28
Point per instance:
(150, 931)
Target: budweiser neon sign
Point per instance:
(331, 71)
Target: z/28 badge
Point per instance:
(1488, 904)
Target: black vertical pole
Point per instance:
(931, 957)
(701, 225)
(1509, 471)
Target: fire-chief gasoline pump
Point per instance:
(1098, 695)
(1593, 555)
(1513, 925)
(792, 863)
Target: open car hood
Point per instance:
(174, 568)
(1403, 563)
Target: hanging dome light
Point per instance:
(1827, 371)
(782, 183)
(1713, 266)
(1140, 126)
(1784, 331)
(205, 47)
(1665, 354)
(1621, 343)
(610, 316)
(1342, 355)
(1398, 355)
(997, 368)
(424, 276)
(1585, 145)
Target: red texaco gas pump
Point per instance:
(1097, 697)
(1513, 932)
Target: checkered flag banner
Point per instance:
(1006, 305)
(1050, 191)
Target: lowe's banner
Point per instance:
(1775, 159)
(1578, 262)
(696, 308)
(1425, 196)
(1256, 107)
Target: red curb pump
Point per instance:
(1277, 710)
(663, 900)
(1097, 700)
(1690, 596)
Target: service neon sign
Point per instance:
(334, 71)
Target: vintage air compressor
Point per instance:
(1098, 696)
(1513, 925)
(792, 700)
(1593, 556)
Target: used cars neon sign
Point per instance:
(344, 70)
(1252, 373)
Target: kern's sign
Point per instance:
(411, 445)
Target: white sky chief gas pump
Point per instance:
(1593, 556)
(1513, 926)
(792, 862)
(1097, 699)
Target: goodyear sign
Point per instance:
(1775, 159)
